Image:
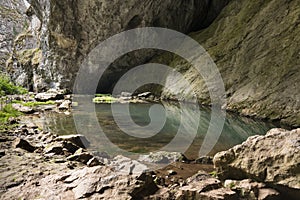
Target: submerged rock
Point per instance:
(162, 157)
(273, 159)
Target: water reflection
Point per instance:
(236, 129)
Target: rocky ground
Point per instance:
(40, 165)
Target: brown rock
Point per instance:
(273, 158)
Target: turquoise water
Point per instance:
(236, 128)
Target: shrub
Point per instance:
(7, 87)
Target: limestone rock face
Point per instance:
(12, 22)
(255, 45)
(273, 159)
(71, 29)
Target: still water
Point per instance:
(236, 128)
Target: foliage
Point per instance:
(7, 112)
(213, 174)
(8, 88)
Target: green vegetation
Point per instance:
(104, 98)
(213, 174)
(34, 103)
(7, 112)
(8, 88)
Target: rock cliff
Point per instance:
(70, 29)
(255, 45)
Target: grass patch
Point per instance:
(38, 103)
(102, 95)
(34, 103)
(7, 112)
(8, 88)
(104, 99)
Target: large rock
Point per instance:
(273, 159)
(98, 182)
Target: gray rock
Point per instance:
(80, 157)
(93, 162)
(127, 166)
(79, 140)
(66, 47)
(65, 105)
(23, 109)
(47, 96)
(23, 144)
(162, 157)
(268, 194)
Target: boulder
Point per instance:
(273, 159)
(49, 95)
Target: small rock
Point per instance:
(124, 165)
(144, 95)
(205, 160)
(23, 109)
(126, 94)
(57, 149)
(59, 161)
(268, 194)
(2, 153)
(82, 157)
(79, 140)
(72, 148)
(23, 144)
(162, 157)
(3, 139)
(93, 162)
(65, 105)
(171, 172)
